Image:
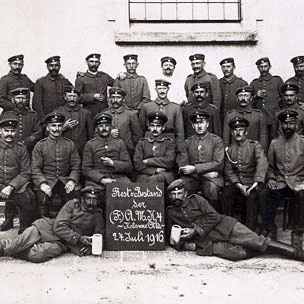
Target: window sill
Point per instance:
(246, 37)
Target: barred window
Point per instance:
(185, 10)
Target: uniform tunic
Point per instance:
(126, 121)
(229, 98)
(257, 129)
(89, 84)
(49, 94)
(159, 153)
(83, 131)
(174, 125)
(203, 76)
(137, 90)
(55, 160)
(10, 82)
(268, 104)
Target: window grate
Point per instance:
(185, 10)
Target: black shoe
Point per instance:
(7, 224)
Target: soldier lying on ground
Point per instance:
(210, 233)
(48, 238)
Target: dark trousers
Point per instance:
(270, 200)
(50, 206)
(233, 197)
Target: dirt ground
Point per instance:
(151, 277)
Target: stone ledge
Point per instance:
(246, 37)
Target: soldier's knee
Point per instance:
(42, 252)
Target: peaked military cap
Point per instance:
(115, 90)
(94, 55)
(168, 59)
(162, 82)
(244, 89)
(52, 59)
(20, 91)
(159, 116)
(176, 185)
(238, 122)
(227, 60)
(288, 115)
(199, 115)
(297, 59)
(16, 57)
(289, 86)
(102, 118)
(262, 60)
(9, 122)
(70, 89)
(200, 85)
(54, 117)
(130, 56)
(91, 190)
(197, 57)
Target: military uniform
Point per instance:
(94, 170)
(286, 167)
(55, 162)
(89, 84)
(257, 127)
(160, 153)
(174, 125)
(299, 81)
(206, 153)
(228, 88)
(126, 121)
(48, 238)
(215, 125)
(10, 82)
(49, 94)
(203, 76)
(83, 131)
(137, 90)
(15, 171)
(245, 163)
(29, 129)
(268, 104)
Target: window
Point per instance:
(185, 10)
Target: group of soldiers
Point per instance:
(208, 148)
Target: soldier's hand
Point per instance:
(107, 161)
(187, 233)
(69, 186)
(254, 185)
(145, 161)
(70, 124)
(187, 170)
(85, 240)
(211, 174)
(159, 170)
(6, 191)
(85, 250)
(272, 184)
(261, 93)
(99, 97)
(242, 188)
(115, 133)
(106, 181)
(46, 189)
(122, 75)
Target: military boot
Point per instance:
(285, 250)
(7, 224)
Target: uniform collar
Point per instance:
(200, 74)
(3, 144)
(89, 74)
(117, 111)
(248, 109)
(228, 81)
(201, 105)
(294, 137)
(267, 77)
(23, 111)
(49, 76)
(159, 138)
(11, 74)
(244, 143)
(162, 101)
(68, 108)
(199, 137)
(135, 75)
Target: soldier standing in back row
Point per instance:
(267, 93)
(200, 75)
(93, 86)
(13, 80)
(49, 90)
(229, 84)
(298, 79)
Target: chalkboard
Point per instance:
(135, 216)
